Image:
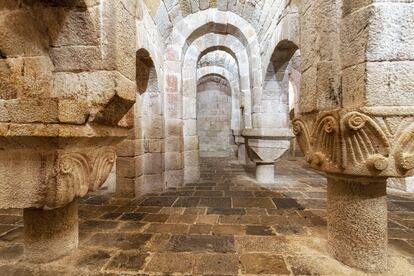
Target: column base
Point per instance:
(357, 222)
(265, 173)
(50, 234)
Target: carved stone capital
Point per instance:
(358, 142)
(45, 168)
(265, 146)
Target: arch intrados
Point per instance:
(144, 65)
(222, 48)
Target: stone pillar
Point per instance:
(50, 234)
(265, 173)
(357, 221)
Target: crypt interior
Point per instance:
(201, 137)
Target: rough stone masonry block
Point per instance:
(130, 166)
(130, 148)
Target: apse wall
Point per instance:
(214, 119)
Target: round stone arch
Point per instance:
(184, 33)
(234, 86)
(187, 30)
(214, 115)
(141, 161)
(200, 47)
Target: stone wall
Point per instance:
(214, 118)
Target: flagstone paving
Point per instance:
(226, 224)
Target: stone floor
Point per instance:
(224, 225)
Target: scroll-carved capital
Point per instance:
(77, 173)
(356, 143)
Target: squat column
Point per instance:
(50, 234)
(265, 173)
(357, 221)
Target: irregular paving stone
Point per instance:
(10, 220)
(200, 229)
(131, 226)
(239, 219)
(207, 219)
(253, 202)
(93, 260)
(287, 203)
(208, 193)
(201, 243)
(133, 216)
(155, 218)
(148, 209)
(228, 230)
(125, 241)
(226, 211)
(258, 263)
(171, 263)
(167, 228)
(216, 264)
(110, 216)
(259, 230)
(11, 252)
(98, 226)
(127, 261)
(159, 201)
(215, 202)
(188, 219)
(187, 202)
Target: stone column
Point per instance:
(50, 234)
(357, 221)
(265, 173)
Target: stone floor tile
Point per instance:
(200, 229)
(159, 201)
(92, 260)
(229, 230)
(124, 241)
(132, 226)
(259, 230)
(215, 202)
(148, 209)
(171, 263)
(172, 210)
(10, 220)
(287, 203)
(209, 193)
(98, 226)
(155, 218)
(226, 211)
(158, 243)
(110, 216)
(127, 261)
(245, 202)
(239, 219)
(167, 228)
(269, 244)
(259, 263)
(11, 252)
(187, 202)
(216, 264)
(201, 243)
(187, 219)
(195, 211)
(207, 219)
(133, 216)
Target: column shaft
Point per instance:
(357, 221)
(50, 234)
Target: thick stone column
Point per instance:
(357, 221)
(50, 234)
(265, 173)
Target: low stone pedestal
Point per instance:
(357, 221)
(50, 234)
(264, 147)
